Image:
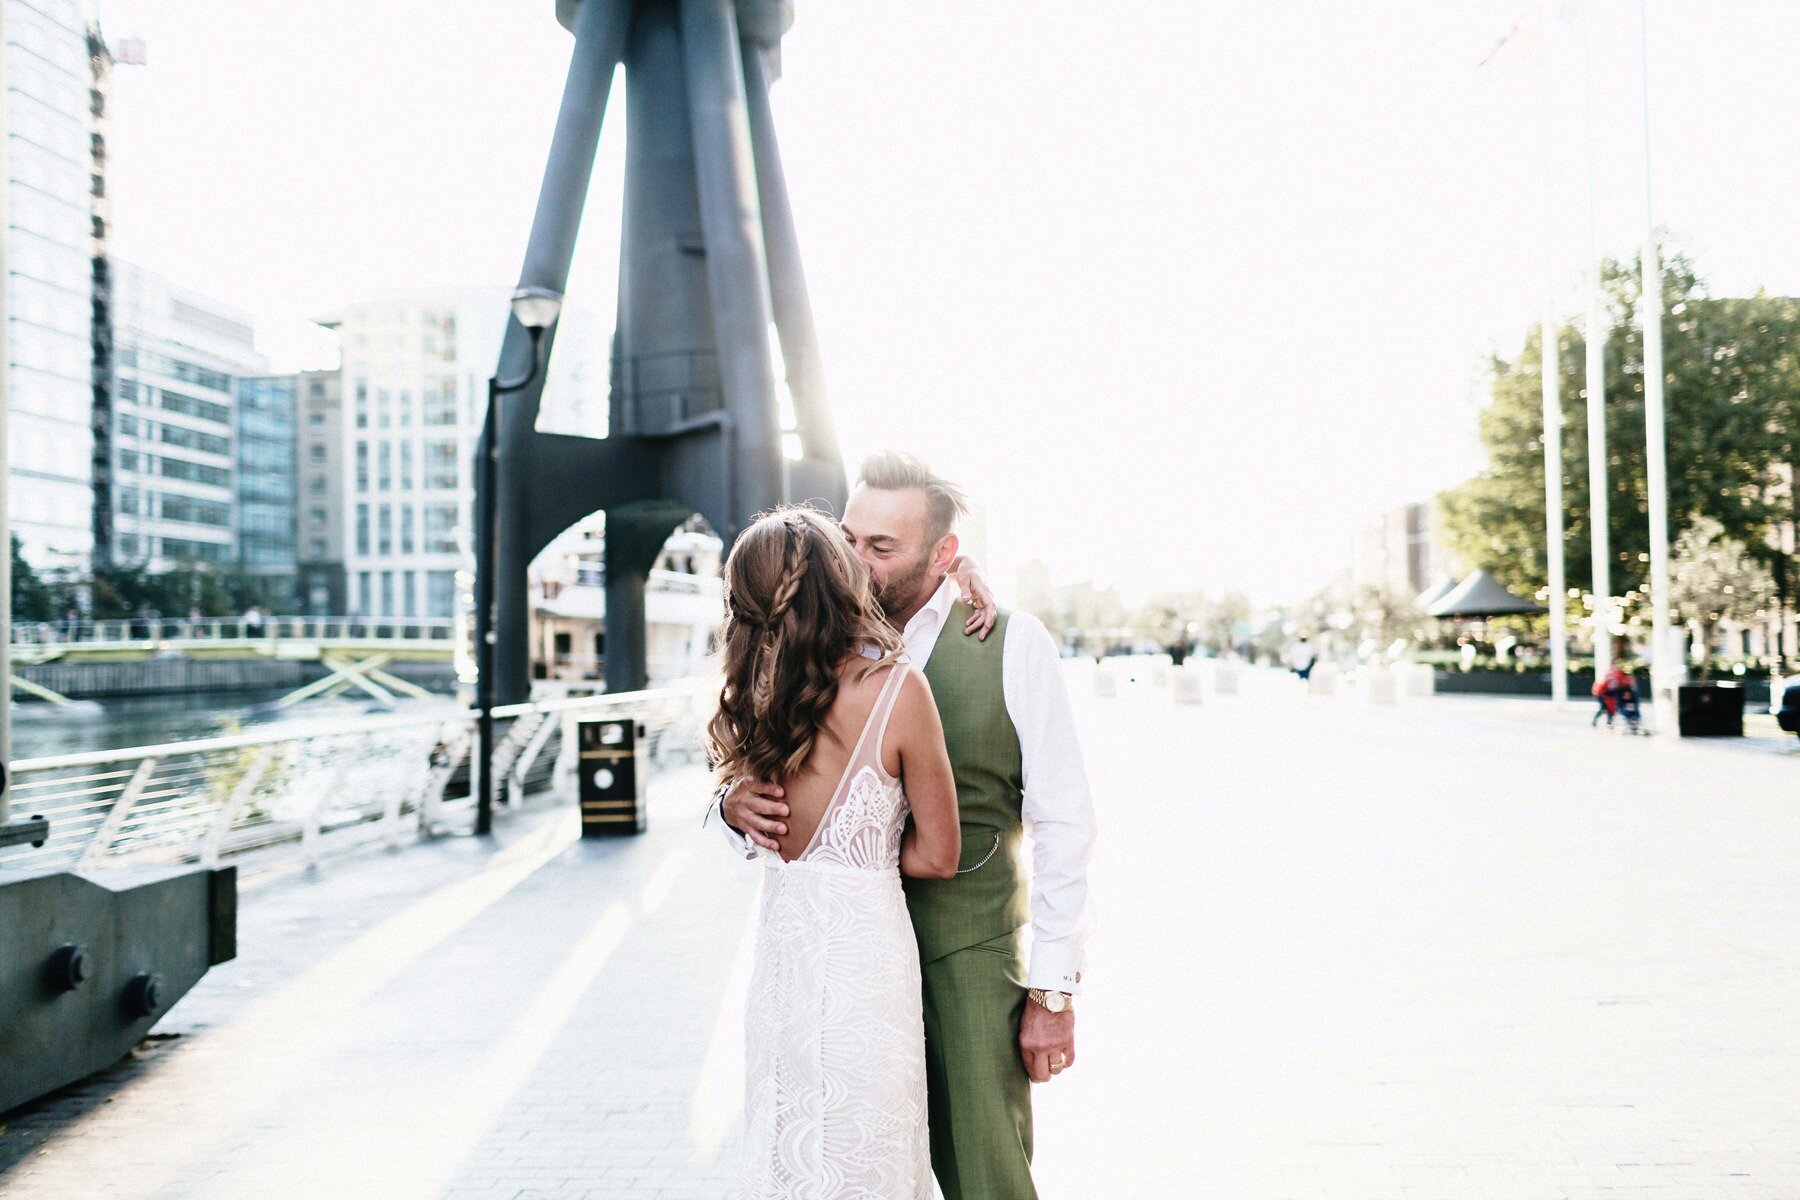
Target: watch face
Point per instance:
(1055, 1001)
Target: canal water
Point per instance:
(40, 730)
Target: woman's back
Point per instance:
(851, 740)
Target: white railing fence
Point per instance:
(231, 629)
(270, 798)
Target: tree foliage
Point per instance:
(1732, 395)
(1715, 578)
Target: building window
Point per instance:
(440, 529)
(440, 593)
(387, 593)
(384, 534)
(316, 452)
(362, 529)
(315, 419)
(316, 515)
(362, 466)
(440, 403)
(440, 465)
(384, 474)
(408, 592)
(316, 483)
(318, 548)
(406, 531)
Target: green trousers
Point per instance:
(979, 1094)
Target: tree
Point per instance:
(32, 598)
(1730, 391)
(1714, 578)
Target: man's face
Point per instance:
(887, 529)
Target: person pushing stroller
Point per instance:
(1616, 692)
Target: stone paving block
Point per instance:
(1462, 948)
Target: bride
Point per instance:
(817, 697)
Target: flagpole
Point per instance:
(1599, 501)
(1663, 672)
(1549, 355)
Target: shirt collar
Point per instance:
(936, 610)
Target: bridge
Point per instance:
(354, 651)
(1450, 947)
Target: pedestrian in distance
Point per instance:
(1301, 657)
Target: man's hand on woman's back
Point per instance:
(757, 811)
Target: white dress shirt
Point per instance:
(1058, 811)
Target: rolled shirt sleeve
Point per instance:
(1058, 810)
(739, 844)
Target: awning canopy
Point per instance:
(1481, 595)
(1436, 592)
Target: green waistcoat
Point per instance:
(988, 898)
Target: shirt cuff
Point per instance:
(1055, 969)
(739, 843)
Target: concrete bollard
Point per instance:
(1225, 679)
(1324, 681)
(1159, 674)
(1417, 679)
(1380, 686)
(1106, 684)
(1185, 685)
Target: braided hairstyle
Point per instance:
(798, 602)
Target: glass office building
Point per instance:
(53, 239)
(267, 491)
(177, 356)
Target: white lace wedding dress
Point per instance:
(835, 1099)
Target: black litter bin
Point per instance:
(1710, 709)
(1788, 715)
(608, 787)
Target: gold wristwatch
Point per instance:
(1055, 1002)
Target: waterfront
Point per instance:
(41, 730)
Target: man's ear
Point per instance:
(945, 554)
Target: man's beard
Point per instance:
(897, 594)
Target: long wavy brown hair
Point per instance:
(798, 602)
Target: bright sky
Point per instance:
(1185, 292)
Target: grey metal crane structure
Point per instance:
(712, 304)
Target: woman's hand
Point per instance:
(972, 585)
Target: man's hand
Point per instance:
(973, 587)
(1046, 1041)
(756, 811)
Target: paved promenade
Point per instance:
(1457, 948)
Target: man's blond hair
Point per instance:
(895, 470)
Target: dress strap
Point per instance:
(881, 713)
(873, 731)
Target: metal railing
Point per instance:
(267, 799)
(168, 629)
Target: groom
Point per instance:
(990, 1025)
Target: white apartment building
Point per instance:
(53, 236)
(414, 378)
(177, 356)
(416, 364)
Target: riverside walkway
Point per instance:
(1454, 948)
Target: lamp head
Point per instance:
(536, 307)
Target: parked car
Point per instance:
(1788, 715)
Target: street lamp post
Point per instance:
(536, 309)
